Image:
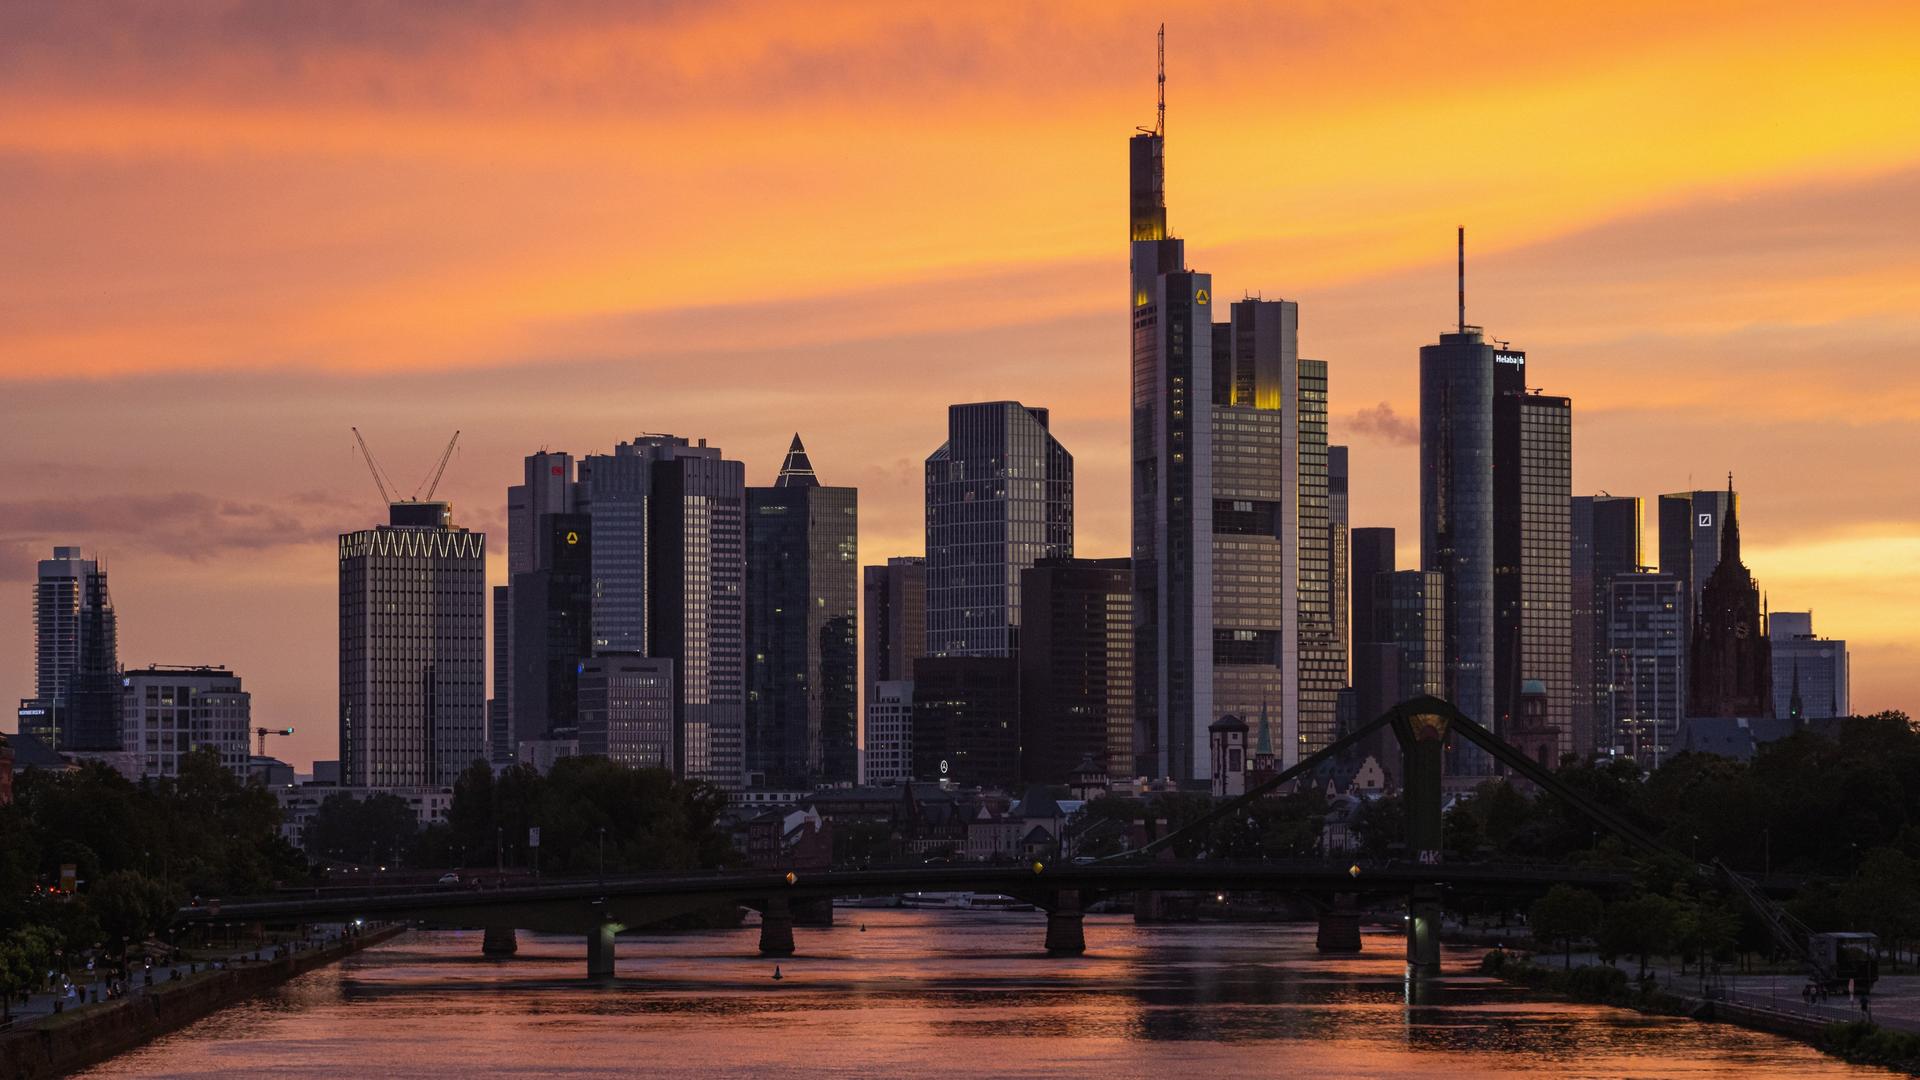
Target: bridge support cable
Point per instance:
(1259, 791)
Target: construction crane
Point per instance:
(379, 477)
(389, 491)
(432, 482)
(263, 732)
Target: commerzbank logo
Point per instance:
(1201, 297)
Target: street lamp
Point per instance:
(603, 854)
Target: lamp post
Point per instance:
(603, 854)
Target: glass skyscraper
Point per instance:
(76, 659)
(1456, 518)
(1606, 544)
(1233, 525)
(802, 651)
(999, 498)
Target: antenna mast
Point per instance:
(1463, 278)
(1160, 119)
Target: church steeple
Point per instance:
(1730, 536)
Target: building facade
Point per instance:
(1645, 687)
(413, 649)
(76, 660)
(1456, 519)
(552, 607)
(1076, 667)
(1533, 585)
(696, 602)
(966, 720)
(887, 756)
(802, 650)
(1606, 544)
(1812, 670)
(168, 713)
(999, 498)
(626, 709)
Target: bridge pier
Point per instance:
(776, 927)
(1423, 932)
(1066, 931)
(499, 941)
(600, 951)
(1339, 927)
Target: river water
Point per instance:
(933, 993)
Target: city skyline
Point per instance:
(1589, 279)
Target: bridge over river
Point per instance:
(601, 908)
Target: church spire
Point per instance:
(1730, 536)
(797, 470)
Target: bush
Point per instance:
(1871, 1044)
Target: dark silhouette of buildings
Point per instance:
(553, 631)
(966, 719)
(802, 655)
(1729, 670)
(1076, 666)
(1606, 544)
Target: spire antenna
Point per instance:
(1462, 246)
(1160, 118)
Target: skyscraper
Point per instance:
(696, 601)
(802, 654)
(1812, 669)
(1338, 528)
(1728, 665)
(1233, 549)
(966, 719)
(547, 487)
(893, 634)
(1606, 544)
(1644, 691)
(1456, 517)
(76, 659)
(1690, 527)
(1495, 509)
(894, 610)
(413, 649)
(1076, 667)
(1371, 553)
(1532, 581)
(999, 498)
(552, 631)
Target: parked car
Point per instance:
(450, 879)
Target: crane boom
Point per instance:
(373, 467)
(432, 483)
(263, 732)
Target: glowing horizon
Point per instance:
(232, 231)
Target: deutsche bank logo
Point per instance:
(1706, 521)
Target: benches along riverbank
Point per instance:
(74, 1040)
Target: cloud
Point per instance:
(182, 524)
(1381, 422)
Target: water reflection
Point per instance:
(930, 992)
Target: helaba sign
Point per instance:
(1509, 358)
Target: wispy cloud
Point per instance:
(1381, 422)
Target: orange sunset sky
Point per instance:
(230, 230)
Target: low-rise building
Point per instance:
(299, 803)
